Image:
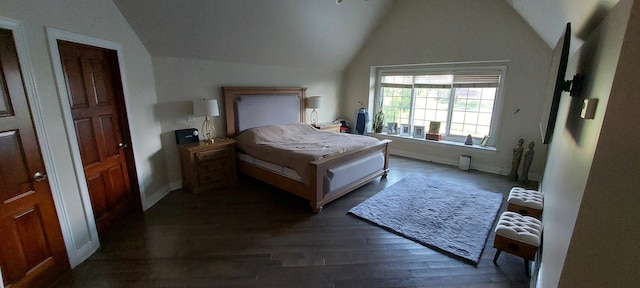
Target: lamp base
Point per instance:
(209, 131)
(314, 117)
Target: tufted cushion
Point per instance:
(527, 198)
(520, 228)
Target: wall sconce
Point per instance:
(313, 102)
(207, 108)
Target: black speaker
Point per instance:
(189, 135)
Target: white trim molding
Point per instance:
(53, 35)
(80, 253)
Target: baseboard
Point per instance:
(446, 161)
(83, 253)
(175, 185)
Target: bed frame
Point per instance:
(319, 169)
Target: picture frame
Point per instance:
(484, 141)
(434, 127)
(405, 130)
(392, 128)
(418, 132)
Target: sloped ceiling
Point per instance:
(549, 17)
(308, 33)
(292, 33)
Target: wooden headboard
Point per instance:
(248, 107)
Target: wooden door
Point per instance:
(95, 94)
(32, 250)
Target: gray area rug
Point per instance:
(441, 215)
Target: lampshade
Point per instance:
(313, 102)
(206, 107)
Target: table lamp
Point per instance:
(207, 108)
(313, 102)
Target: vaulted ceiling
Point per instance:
(292, 33)
(307, 33)
(548, 17)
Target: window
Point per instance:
(463, 100)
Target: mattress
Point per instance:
(284, 171)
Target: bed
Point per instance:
(327, 178)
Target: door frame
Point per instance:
(38, 121)
(53, 35)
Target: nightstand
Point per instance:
(331, 127)
(208, 166)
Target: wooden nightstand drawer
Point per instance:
(212, 155)
(215, 167)
(206, 167)
(210, 179)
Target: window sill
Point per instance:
(452, 144)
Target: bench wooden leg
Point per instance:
(526, 268)
(495, 258)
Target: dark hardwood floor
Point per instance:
(258, 236)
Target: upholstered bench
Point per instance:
(518, 235)
(525, 202)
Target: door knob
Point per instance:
(122, 145)
(38, 176)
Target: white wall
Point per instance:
(180, 81)
(590, 184)
(417, 32)
(102, 20)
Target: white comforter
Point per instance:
(295, 145)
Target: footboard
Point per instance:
(323, 169)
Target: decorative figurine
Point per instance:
(515, 162)
(528, 157)
(469, 140)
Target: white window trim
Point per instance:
(441, 68)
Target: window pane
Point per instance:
(468, 102)
(473, 105)
(404, 116)
(484, 119)
(456, 129)
(435, 105)
(457, 117)
(489, 93)
(432, 103)
(431, 114)
(460, 104)
(442, 117)
(461, 92)
(475, 93)
(469, 129)
(486, 106)
(471, 118)
(396, 104)
(419, 114)
(420, 123)
(483, 130)
(443, 100)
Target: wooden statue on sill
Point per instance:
(515, 162)
(528, 157)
